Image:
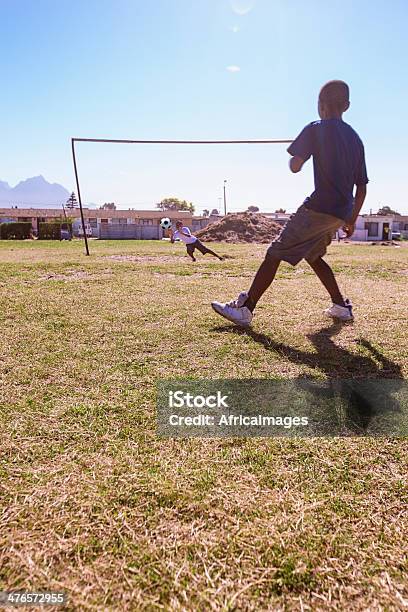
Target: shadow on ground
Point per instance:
(366, 383)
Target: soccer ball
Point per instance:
(165, 223)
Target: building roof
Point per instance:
(394, 216)
(136, 214)
(93, 213)
(199, 217)
(376, 217)
(33, 212)
(276, 215)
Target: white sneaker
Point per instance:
(345, 313)
(235, 311)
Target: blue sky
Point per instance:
(162, 69)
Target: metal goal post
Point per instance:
(160, 142)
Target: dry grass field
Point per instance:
(93, 503)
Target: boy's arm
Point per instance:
(361, 181)
(171, 235)
(301, 149)
(360, 196)
(296, 164)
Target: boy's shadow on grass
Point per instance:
(351, 375)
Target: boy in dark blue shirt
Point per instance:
(339, 165)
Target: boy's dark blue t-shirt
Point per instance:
(338, 164)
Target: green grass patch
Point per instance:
(93, 503)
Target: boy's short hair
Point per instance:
(178, 222)
(335, 95)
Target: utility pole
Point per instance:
(225, 199)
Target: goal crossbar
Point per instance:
(174, 142)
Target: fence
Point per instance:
(117, 231)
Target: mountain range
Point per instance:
(33, 192)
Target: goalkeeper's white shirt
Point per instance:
(187, 239)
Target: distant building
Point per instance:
(281, 218)
(373, 228)
(400, 224)
(108, 224)
(145, 224)
(199, 222)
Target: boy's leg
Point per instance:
(239, 311)
(326, 276)
(204, 249)
(263, 279)
(190, 251)
(212, 253)
(291, 245)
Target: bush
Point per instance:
(16, 231)
(52, 231)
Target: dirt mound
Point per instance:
(240, 227)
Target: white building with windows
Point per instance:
(373, 228)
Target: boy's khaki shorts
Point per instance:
(305, 236)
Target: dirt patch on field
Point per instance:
(241, 227)
(146, 258)
(75, 275)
